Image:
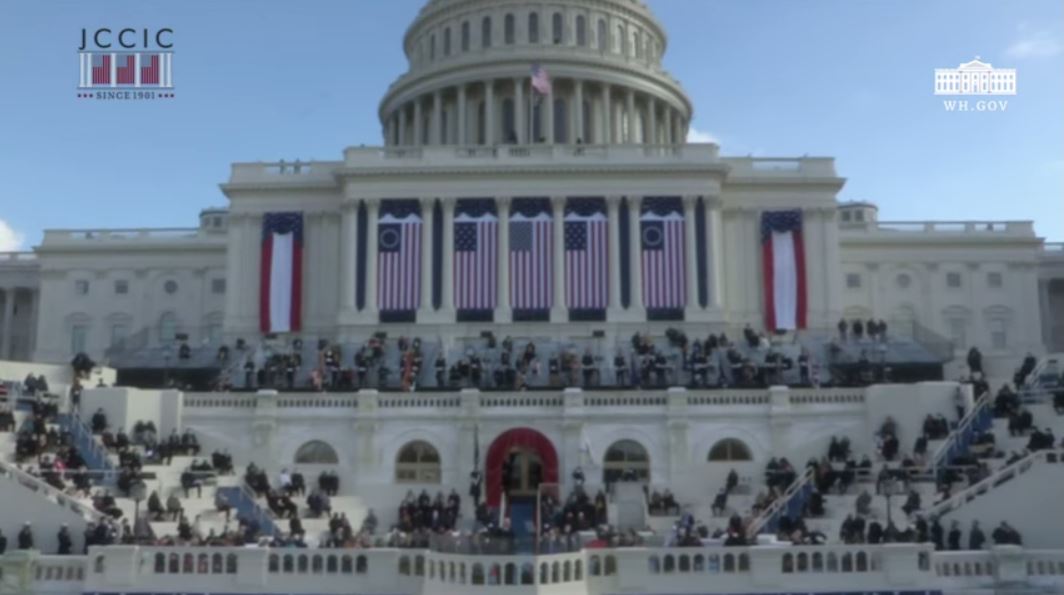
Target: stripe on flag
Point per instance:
(586, 265)
(399, 260)
(281, 279)
(531, 270)
(661, 229)
(475, 259)
(783, 270)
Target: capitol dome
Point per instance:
(469, 76)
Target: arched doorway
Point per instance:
(527, 455)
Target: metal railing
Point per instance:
(53, 494)
(979, 419)
(793, 497)
(1006, 473)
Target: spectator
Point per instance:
(3, 543)
(155, 506)
(975, 362)
(954, 537)
(976, 538)
(221, 504)
(1006, 535)
(65, 543)
(173, 507)
(25, 537)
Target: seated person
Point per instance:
(173, 507)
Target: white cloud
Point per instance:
(10, 240)
(1038, 44)
(700, 136)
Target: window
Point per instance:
(853, 280)
(465, 36)
(214, 333)
(603, 36)
(953, 280)
(81, 287)
(904, 281)
(561, 113)
(581, 31)
(638, 45)
(509, 29)
(168, 327)
(485, 32)
(447, 41)
(557, 29)
(533, 28)
(994, 280)
(79, 334)
(958, 331)
(625, 457)
(121, 287)
(998, 334)
(218, 286)
(432, 48)
(729, 449)
(119, 332)
(418, 462)
(622, 45)
(170, 286)
(316, 452)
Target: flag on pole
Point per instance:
(531, 258)
(783, 270)
(586, 266)
(540, 80)
(664, 272)
(476, 252)
(281, 278)
(399, 256)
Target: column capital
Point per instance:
(372, 203)
(503, 201)
(713, 201)
(427, 201)
(557, 201)
(689, 200)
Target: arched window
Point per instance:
(316, 452)
(167, 327)
(331, 565)
(638, 45)
(581, 30)
(447, 41)
(561, 113)
(485, 32)
(622, 42)
(477, 577)
(217, 565)
(509, 29)
(557, 28)
(625, 456)
(729, 449)
(404, 565)
(509, 124)
(603, 35)
(418, 462)
(481, 123)
(465, 36)
(432, 48)
(160, 563)
(533, 28)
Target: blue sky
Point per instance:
(265, 80)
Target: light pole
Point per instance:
(137, 492)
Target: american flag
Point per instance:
(540, 80)
(149, 69)
(531, 270)
(126, 71)
(475, 260)
(586, 276)
(101, 69)
(399, 260)
(664, 272)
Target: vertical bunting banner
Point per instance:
(531, 264)
(586, 265)
(661, 231)
(783, 268)
(476, 252)
(399, 256)
(281, 278)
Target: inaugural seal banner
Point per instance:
(280, 292)
(783, 262)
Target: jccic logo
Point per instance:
(126, 64)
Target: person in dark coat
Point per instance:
(3, 543)
(954, 537)
(976, 537)
(25, 538)
(66, 544)
(937, 534)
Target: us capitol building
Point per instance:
(534, 182)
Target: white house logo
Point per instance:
(975, 78)
(126, 64)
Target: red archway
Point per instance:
(524, 437)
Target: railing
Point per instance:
(18, 257)
(979, 419)
(792, 501)
(1018, 228)
(774, 166)
(444, 155)
(52, 494)
(95, 455)
(1053, 247)
(241, 499)
(939, 346)
(158, 233)
(1005, 474)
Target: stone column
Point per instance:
(606, 136)
(35, 304)
(715, 246)
(833, 267)
(436, 134)
(348, 260)
(447, 276)
(428, 217)
(629, 108)
(232, 266)
(670, 139)
(401, 114)
(652, 122)
(691, 256)
(389, 125)
(578, 112)
(419, 126)
(547, 116)
(463, 137)
(489, 112)
(372, 208)
(9, 314)
(503, 312)
(520, 119)
(558, 311)
(635, 264)
(614, 237)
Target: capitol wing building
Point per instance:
(536, 279)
